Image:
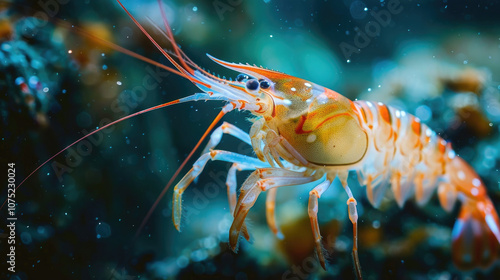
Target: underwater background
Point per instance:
(79, 214)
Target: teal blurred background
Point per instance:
(77, 216)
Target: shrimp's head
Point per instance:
(325, 127)
(280, 94)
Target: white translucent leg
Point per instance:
(216, 137)
(231, 191)
(256, 135)
(231, 182)
(279, 145)
(226, 128)
(294, 153)
(198, 167)
(270, 152)
(261, 180)
(314, 195)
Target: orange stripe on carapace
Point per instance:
(363, 113)
(299, 129)
(369, 115)
(243, 102)
(441, 146)
(384, 112)
(239, 88)
(416, 126)
(331, 94)
(356, 110)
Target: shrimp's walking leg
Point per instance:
(231, 191)
(353, 216)
(260, 180)
(278, 145)
(257, 133)
(270, 199)
(198, 167)
(226, 128)
(314, 195)
(270, 213)
(231, 186)
(215, 138)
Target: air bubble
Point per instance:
(103, 230)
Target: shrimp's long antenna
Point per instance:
(165, 189)
(177, 101)
(184, 69)
(171, 37)
(188, 73)
(116, 47)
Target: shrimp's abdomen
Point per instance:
(403, 152)
(416, 161)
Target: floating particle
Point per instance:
(103, 230)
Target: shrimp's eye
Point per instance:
(264, 84)
(252, 85)
(242, 77)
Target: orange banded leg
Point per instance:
(260, 180)
(353, 216)
(231, 191)
(314, 195)
(270, 212)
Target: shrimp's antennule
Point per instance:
(172, 39)
(114, 46)
(187, 72)
(97, 130)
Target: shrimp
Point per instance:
(307, 133)
(304, 133)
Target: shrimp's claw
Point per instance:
(476, 235)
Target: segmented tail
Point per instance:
(476, 233)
